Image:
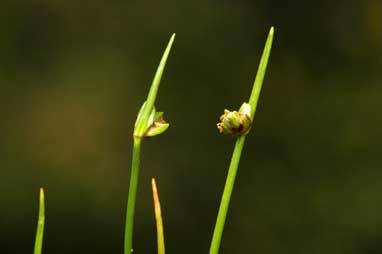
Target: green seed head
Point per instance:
(236, 123)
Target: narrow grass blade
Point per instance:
(253, 99)
(158, 218)
(142, 124)
(40, 224)
(235, 160)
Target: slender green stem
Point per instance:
(234, 165)
(224, 204)
(141, 129)
(158, 218)
(40, 224)
(132, 196)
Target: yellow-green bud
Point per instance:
(236, 123)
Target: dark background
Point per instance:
(73, 75)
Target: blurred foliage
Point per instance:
(73, 75)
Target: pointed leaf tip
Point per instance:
(158, 218)
(172, 38)
(40, 224)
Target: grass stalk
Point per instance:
(141, 128)
(131, 200)
(40, 224)
(234, 165)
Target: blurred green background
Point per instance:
(73, 75)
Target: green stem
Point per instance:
(224, 204)
(257, 85)
(140, 131)
(132, 196)
(234, 165)
(40, 224)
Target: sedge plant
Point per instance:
(148, 123)
(238, 123)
